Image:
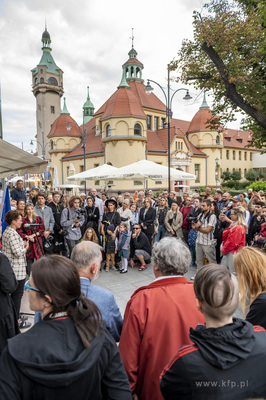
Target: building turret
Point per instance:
(88, 109)
(47, 84)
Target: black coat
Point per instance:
(141, 242)
(92, 218)
(148, 220)
(224, 363)
(8, 285)
(49, 362)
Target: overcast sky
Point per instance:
(90, 42)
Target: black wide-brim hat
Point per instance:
(110, 201)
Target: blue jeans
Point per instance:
(160, 234)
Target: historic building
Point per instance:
(130, 126)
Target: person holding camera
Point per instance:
(205, 243)
(72, 219)
(46, 214)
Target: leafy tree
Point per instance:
(228, 58)
(226, 176)
(236, 175)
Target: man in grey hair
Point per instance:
(87, 257)
(158, 318)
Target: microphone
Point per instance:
(29, 225)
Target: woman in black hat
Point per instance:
(111, 217)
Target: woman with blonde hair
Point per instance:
(250, 266)
(234, 237)
(173, 221)
(90, 235)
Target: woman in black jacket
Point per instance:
(92, 216)
(8, 285)
(147, 217)
(68, 355)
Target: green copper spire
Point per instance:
(88, 108)
(65, 110)
(47, 58)
(123, 83)
(204, 103)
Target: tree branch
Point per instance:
(230, 88)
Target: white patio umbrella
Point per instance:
(93, 173)
(145, 169)
(69, 186)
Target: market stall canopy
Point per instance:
(148, 169)
(14, 160)
(94, 173)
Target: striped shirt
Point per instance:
(14, 249)
(206, 238)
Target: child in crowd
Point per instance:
(123, 245)
(110, 247)
(135, 215)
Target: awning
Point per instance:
(14, 160)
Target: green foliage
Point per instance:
(226, 176)
(227, 57)
(236, 175)
(258, 186)
(254, 174)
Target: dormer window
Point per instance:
(108, 131)
(240, 140)
(228, 139)
(137, 130)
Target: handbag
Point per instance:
(48, 245)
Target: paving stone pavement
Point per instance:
(121, 285)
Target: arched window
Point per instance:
(52, 81)
(41, 80)
(36, 81)
(137, 130)
(108, 131)
(217, 139)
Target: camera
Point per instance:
(192, 220)
(80, 212)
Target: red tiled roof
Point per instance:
(59, 127)
(180, 125)
(133, 61)
(153, 142)
(158, 141)
(123, 102)
(196, 151)
(148, 101)
(199, 121)
(144, 100)
(235, 137)
(93, 142)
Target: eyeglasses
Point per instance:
(27, 286)
(135, 229)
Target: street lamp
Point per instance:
(84, 135)
(168, 99)
(43, 146)
(216, 171)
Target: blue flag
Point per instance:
(6, 207)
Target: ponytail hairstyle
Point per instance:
(58, 277)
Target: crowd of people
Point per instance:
(175, 337)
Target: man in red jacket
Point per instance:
(157, 319)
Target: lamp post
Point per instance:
(43, 150)
(84, 135)
(216, 171)
(168, 100)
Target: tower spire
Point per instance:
(88, 108)
(132, 38)
(204, 102)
